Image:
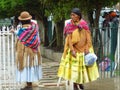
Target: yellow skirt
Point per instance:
(74, 69)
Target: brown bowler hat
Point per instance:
(24, 16)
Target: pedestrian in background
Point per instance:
(77, 44)
(106, 22)
(106, 33)
(28, 57)
(114, 31)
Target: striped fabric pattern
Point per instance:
(29, 36)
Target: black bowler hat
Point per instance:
(76, 11)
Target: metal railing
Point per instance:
(7, 61)
(108, 51)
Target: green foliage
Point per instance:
(10, 8)
(61, 8)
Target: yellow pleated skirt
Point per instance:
(74, 69)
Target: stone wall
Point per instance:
(50, 54)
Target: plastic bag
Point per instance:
(90, 58)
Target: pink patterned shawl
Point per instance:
(70, 27)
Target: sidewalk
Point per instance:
(50, 79)
(50, 69)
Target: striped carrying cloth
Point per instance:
(29, 36)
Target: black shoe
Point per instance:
(27, 88)
(75, 86)
(81, 86)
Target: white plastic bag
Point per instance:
(90, 58)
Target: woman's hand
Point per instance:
(12, 31)
(73, 53)
(86, 52)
